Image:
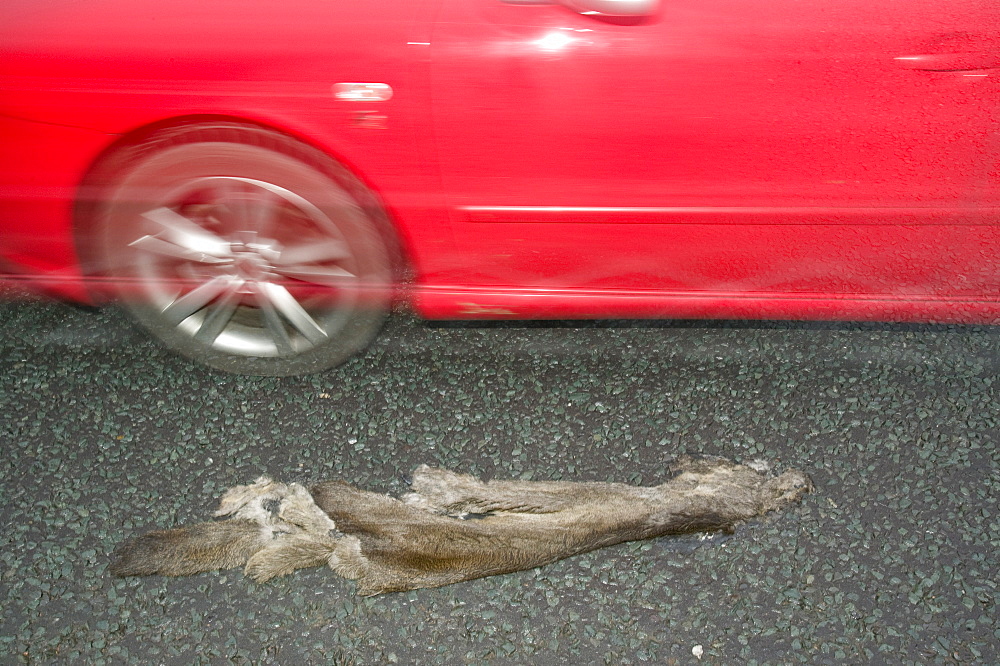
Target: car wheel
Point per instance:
(246, 251)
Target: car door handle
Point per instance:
(949, 62)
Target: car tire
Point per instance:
(246, 250)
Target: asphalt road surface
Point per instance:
(893, 559)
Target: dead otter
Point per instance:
(426, 539)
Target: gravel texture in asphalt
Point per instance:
(892, 560)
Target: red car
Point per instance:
(255, 178)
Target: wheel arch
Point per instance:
(146, 139)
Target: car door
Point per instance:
(721, 146)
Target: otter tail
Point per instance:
(189, 550)
(272, 530)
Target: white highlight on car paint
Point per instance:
(554, 41)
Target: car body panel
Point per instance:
(275, 64)
(721, 146)
(40, 169)
(722, 158)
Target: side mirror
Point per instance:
(623, 8)
(613, 8)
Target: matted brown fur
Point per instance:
(452, 527)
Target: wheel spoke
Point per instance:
(167, 249)
(226, 197)
(262, 211)
(296, 315)
(196, 299)
(219, 314)
(272, 320)
(328, 276)
(308, 253)
(181, 231)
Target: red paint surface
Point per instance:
(795, 158)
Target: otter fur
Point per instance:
(452, 527)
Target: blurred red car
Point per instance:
(254, 178)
